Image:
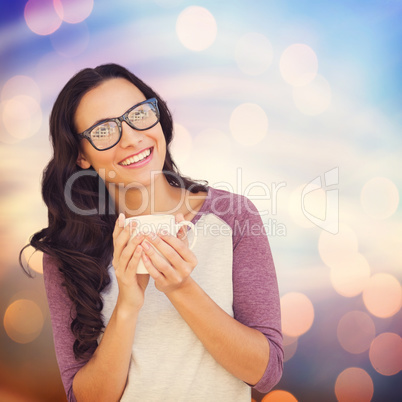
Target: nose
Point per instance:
(130, 136)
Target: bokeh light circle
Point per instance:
(379, 197)
(196, 28)
(23, 321)
(279, 395)
(382, 295)
(298, 64)
(5, 137)
(314, 98)
(73, 11)
(289, 347)
(22, 116)
(314, 203)
(350, 277)
(297, 314)
(248, 124)
(356, 331)
(253, 53)
(20, 85)
(386, 353)
(41, 17)
(336, 249)
(389, 242)
(218, 154)
(295, 206)
(354, 385)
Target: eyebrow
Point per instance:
(112, 118)
(102, 120)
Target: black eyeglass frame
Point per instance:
(119, 120)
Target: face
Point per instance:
(117, 165)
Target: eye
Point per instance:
(139, 114)
(104, 131)
(143, 117)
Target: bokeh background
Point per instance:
(296, 104)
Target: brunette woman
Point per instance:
(204, 325)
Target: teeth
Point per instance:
(137, 158)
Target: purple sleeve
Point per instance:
(60, 314)
(256, 300)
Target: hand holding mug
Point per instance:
(153, 224)
(126, 257)
(168, 259)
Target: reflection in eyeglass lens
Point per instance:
(142, 116)
(104, 132)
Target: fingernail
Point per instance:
(122, 219)
(151, 235)
(145, 244)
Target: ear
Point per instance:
(82, 162)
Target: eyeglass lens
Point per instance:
(107, 134)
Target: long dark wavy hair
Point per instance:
(81, 245)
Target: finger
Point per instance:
(134, 260)
(132, 224)
(120, 242)
(120, 262)
(180, 247)
(153, 272)
(159, 262)
(128, 252)
(122, 238)
(179, 217)
(182, 233)
(170, 253)
(119, 226)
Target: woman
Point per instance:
(206, 327)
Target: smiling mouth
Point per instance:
(137, 158)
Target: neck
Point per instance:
(157, 198)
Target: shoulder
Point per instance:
(227, 204)
(53, 280)
(51, 271)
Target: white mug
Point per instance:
(154, 224)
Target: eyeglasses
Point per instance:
(107, 133)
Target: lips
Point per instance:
(140, 156)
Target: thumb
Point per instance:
(182, 233)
